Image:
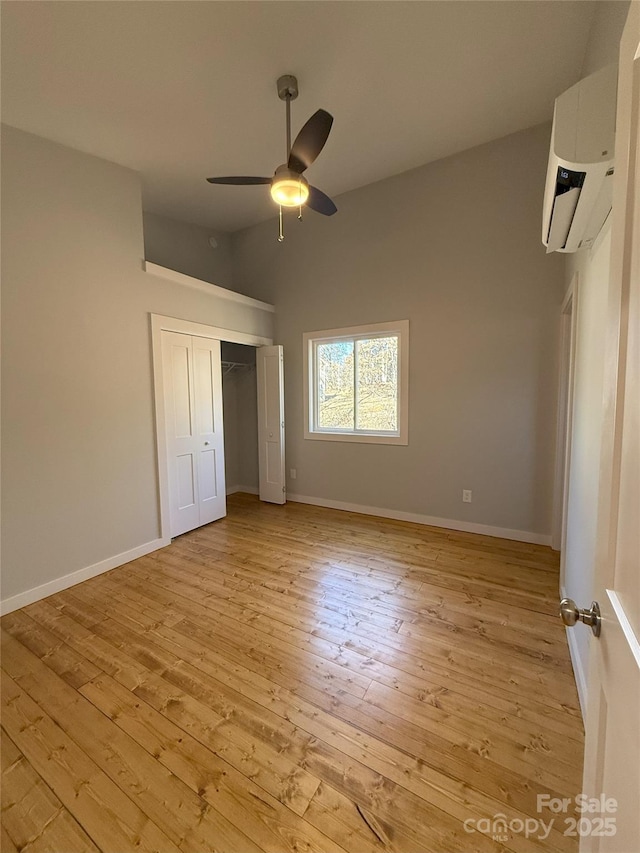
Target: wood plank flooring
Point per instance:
(293, 679)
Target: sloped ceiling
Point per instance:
(182, 90)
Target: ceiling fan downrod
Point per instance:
(287, 86)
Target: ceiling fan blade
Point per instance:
(239, 180)
(310, 141)
(320, 202)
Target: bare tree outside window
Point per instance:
(335, 370)
(377, 384)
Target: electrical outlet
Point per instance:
(293, 473)
(466, 496)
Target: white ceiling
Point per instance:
(183, 90)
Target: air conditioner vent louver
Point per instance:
(567, 195)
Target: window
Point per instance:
(356, 383)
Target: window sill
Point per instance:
(360, 439)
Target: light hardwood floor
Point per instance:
(292, 679)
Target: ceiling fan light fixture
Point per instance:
(289, 189)
(289, 193)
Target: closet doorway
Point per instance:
(240, 407)
(253, 393)
(219, 400)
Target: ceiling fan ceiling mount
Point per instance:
(287, 87)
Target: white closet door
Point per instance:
(209, 429)
(270, 377)
(194, 428)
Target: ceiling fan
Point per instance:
(289, 187)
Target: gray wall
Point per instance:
(604, 36)
(230, 417)
(455, 247)
(185, 247)
(79, 480)
(247, 429)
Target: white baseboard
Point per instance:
(576, 662)
(7, 605)
(431, 521)
(250, 490)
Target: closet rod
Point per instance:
(236, 365)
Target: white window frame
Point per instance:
(311, 339)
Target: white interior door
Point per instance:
(192, 384)
(270, 379)
(612, 754)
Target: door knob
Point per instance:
(206, 443)
(571, 614)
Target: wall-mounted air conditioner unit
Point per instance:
(578, 192)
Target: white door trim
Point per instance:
(625, 624)
(160, 323)
(569, 317)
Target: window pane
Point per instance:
(377, 384)
(334, 372)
